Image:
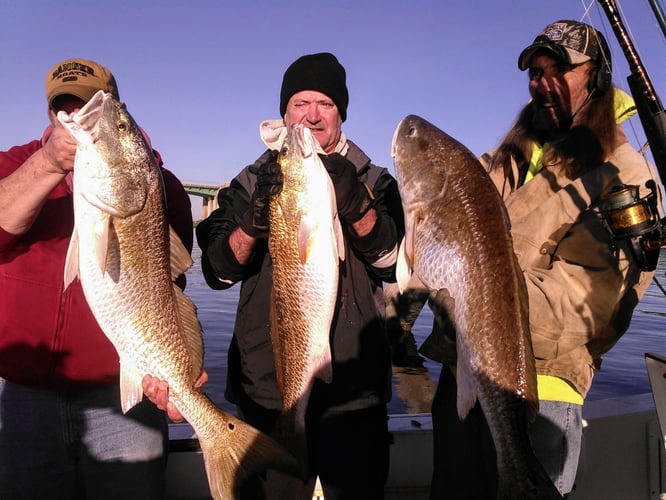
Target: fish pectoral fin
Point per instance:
(72, 259)
(191, 329)
(131, 391)
(403, 271)
(101, 238)
(181, 260)
(411, 228)
(305, 239)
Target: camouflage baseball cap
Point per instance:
(79, 77)
(569, 41)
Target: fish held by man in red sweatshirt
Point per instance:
(127, 259)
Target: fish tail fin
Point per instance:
(535, 485)
(521, 475)
(290, 432)
(235, 451)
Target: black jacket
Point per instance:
(362, 367)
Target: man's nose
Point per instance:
(544, 83)
(313, 114)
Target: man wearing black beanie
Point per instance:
(320, 72)
(346, 421)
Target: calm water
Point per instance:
(623, 371)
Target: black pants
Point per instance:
(465, 464)
(348, 451)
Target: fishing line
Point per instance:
(656, 282)
(640, 136)
(621, 83)
(650, 124)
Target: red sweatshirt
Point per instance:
(48, 336)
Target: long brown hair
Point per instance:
(590, 139)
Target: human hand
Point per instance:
(58, 146)
(352, 197)
(269, 183)
(158, 392)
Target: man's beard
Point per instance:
(548, 120)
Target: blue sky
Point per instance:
(200, 75)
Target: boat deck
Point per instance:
(409, 474)
(622, 458)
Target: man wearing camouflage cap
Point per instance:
(62, 432)
(554, 169)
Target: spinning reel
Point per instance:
(627, 216)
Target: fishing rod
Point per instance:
(658, 14)
(650, 109)
(625, 213)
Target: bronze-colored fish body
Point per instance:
(305, 243)
(127, 257)
(457, 241)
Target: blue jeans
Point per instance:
(556, 436)
(77, 444)
(464, 465)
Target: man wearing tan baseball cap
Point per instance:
(81, 78)
(63, 433)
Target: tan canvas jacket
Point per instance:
(583, 286)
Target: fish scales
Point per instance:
(458, 241)
(127, 258)
(305, 244)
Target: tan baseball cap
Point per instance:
(79, 77)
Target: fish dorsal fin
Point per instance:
(277, 355)
(191, 328)
(338, 240)
(72, 259)
(131, 391)
(337, 227)
(181, 260)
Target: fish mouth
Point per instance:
(305, 141)
(89, 115)
(394, 141)
(87, 118)
(407, 129)
(304, 145)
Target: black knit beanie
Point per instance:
(321, 72)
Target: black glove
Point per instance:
(269, 183)
(353, 197)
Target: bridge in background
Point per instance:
(206, 191)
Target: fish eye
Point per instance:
(411, 132)
(122, 126)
